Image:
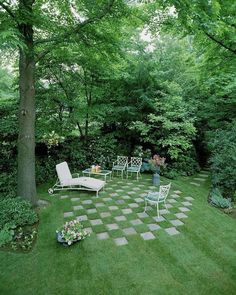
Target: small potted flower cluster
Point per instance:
(71, 232)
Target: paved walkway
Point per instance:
(118, 211)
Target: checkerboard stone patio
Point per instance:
(119, 210)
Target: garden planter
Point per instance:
(63, 241)
(156, 179)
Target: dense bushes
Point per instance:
(217, 200)
(223, 160)
(16, 213)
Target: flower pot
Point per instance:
(63, 241)
(156, 179)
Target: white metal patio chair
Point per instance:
(65, 181)
(120, 165)
(155, 198)
(134, 166)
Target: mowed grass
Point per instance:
(199, 260)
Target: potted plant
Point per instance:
(71, 232)
(154, 164)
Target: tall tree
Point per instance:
(37, 27)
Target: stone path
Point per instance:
(201, 178)
(117, 213)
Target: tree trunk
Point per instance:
(26, 186)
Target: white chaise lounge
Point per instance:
(65, 181)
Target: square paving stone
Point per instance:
(133, 205)
(153, 226)
(82, 217)
(119, 190)
(103, 236)
(96, 221)
(126, 211)
(113, 208)
(187, 203)
(164, 211)
(131, 193)
(112, 226)
(88, 230)
(172, 231)
(129, 231)
(68, 214)
(189, 198)
(176, 222)
(172, 201)
(114, 195)
(142, 215)
(87, 202)
(195, 183)
(136, 222)
(175, 196)
(181, 215)
(75, 199)
(136, 189)
(169, 206)
(120, 218)
(120, 202)
(126, 197)
(105, 214)
(99, 204)
(199, 179)
(147, 236)
(177, 192)
(79, 207)
(143, 195)
(160, 219)
(91, 211)
(120, 241)
(107, 199)
(138, 200)
(64, 197)
(184, 209)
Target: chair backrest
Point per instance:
(63, 173)
(137, 162)
(164, 191)
(122, 160)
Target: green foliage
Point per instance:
(6, 234)
(223, 160)
(217, 200)
(16, 212)
(23, 239)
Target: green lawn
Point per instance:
(199, 260)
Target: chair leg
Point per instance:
(165, 205)
(145, 205)
(158, 215)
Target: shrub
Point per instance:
(223, 160)
(6, 234)
(17, 212)
(217, 200)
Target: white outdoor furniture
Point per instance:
(155, 198)
(134, 166)
(120, 164)
(104, 173)
(65, 181)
